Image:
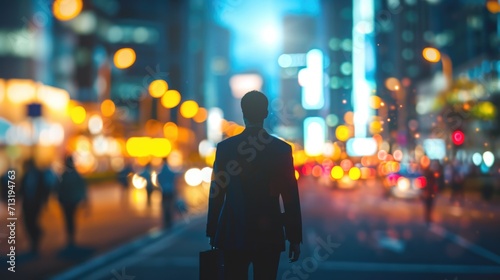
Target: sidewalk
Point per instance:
(173, 253)
(114, 218)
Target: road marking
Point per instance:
(192, 262)
(478, 250)
(389, 243)
(96, 268)
(396, 267)
(145, 252)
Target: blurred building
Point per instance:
(400, 28)
(300, 35)
(26, 35)
(337, 24)
(466, 34)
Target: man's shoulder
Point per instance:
(266, 139)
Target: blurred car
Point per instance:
(404, 185)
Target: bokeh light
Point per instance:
(488, 158)
(171, 131)
(337, 172)
(205, 147)
(477, 159)
(398, 155)
(332, 120)
(375, 101)
(349, 118)
(160, 147)
(431, 54)
(346, 164)
(138, 146)
(157, 88)
(392, 84)
(78, 114)
(403, 183)
(342, 133)
(65, 10)
(375, 127)
(458, 137)
(138, 182)
(124, 58)
(108, 108)
(201, 115)
(189, 109)
(95, 124)
(493, 6)
(317, 171)
(206, 174)
(171, 98)
(354, 173)
(21, 91)
(193, 177)
(382, 155)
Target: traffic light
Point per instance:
(458, 137)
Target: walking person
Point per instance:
(123, 178)
(251, 172)
(430, 190)
(146, 174)
(166, 180)
(457, 184)
(35, 194)
(72, 192)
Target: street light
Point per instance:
(434, 55)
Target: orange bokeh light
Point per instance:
(65, 10)
(201, 116)
(171, 131)
(170, 99)
(189, 109)
(431, 54)
(157, 88)
(108, 108)
(124, 58)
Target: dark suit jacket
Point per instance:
(251, 171)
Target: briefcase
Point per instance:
(211, 265)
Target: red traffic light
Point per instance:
(458, 137)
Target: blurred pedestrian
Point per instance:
(4, 184)
(123, 177)
(430, 190)
(35, 194)
(457, 183)
(166, 180)
(146, 174)
(72, 192)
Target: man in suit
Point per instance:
(251, 171)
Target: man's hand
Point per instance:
(211, 242)
(293, 252)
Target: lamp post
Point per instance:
(434, 55)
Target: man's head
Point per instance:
(254, 106)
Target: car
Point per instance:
(404, 185)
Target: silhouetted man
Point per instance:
(251, 171)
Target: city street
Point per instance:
(348, 234)
(113, 217)
(116, 117)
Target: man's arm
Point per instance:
(216, 198)
(291, 202)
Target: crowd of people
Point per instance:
(36, 185)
